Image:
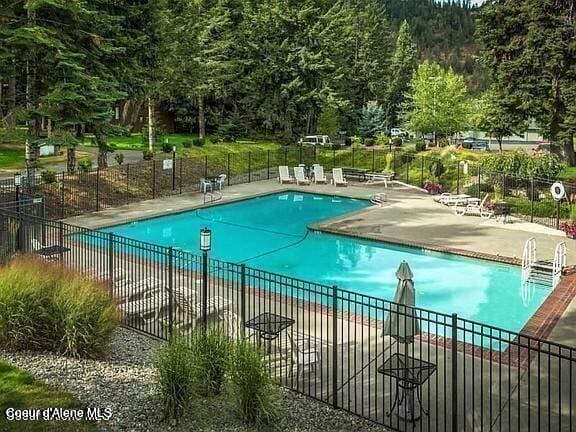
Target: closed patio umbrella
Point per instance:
(402, 322)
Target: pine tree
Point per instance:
(528, 48)
(401, 70)
(372, 121)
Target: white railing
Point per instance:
(559, 263)
(528, 256)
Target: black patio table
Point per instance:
(269, 326)
(51, 251)
(410, 374)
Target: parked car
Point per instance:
(398, 132)
(316, 140)
(542, 148)
(475, 144)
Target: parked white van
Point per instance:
(316, 140)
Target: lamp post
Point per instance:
(173, 168)
(205, 246)
(17, 184)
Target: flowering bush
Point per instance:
(569, 228)
(433, 188)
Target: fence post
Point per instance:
(458, 178)
(299, 154)
(205, 166)
(315, 155)
(268, 164)
(333, 157)
(479, 180)
(353, 154)
(394, 160)
(180, 174)
(532, 200)
(205, 290)
(62, 196)
(61, 241)
(153, 179)
(242, 297)
(111, 265)
(421, 171)
(98, 188)
(408, 170)
(249, 167)
(454, 372)
(285, 155)
(558, 214)
(127, 178)
(373, 160)
(504, 185)
(335, 346)
(170, 290)
(228, 168)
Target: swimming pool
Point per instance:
(270, 233)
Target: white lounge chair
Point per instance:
(205, 185)
(127, 291)
(475, 209)
(338, 177)
(319, 176)
(300, 176)
(380, 178)
(221, 181)
(189, 308)
(284, 174)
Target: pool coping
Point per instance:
(539, 325)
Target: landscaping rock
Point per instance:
(124, 382)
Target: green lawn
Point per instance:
(11, 156)
(18, 389)
(569, 172)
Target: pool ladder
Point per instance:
(542, 272)
(212, 196)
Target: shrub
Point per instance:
(147, 154)
(397, 141)
(175, 377)
(369, 142)
(484, 189)
(166, 147)
(546, 166)
(382, 140)
(199, 142)
(209, 352)
(437, 169)
(119, 158)
(85, 164)
(250, 389)
(187, 143)
(48, 176)
(389, 162)
(47, 307)
(420, 145)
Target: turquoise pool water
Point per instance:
(270, 233)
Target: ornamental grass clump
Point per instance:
(44, 306)
(250, 389)
(175, 377)
(210, 350)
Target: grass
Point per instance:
(18, 389)
(568, 173)
(12, 157)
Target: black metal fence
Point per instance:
(460, 375)
(80, 193)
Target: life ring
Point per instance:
(558, 192)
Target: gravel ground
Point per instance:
(125, 383)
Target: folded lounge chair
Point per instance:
(300, 176)
(319, 176)
(338, 177)
(380, 178)
(284, 175)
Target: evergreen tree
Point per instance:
(529, 50)
(372, 121)
(401, 71)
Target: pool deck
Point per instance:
(410, 217)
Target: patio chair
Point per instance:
(148, 309)
(221, 181)
(205, 185)
(319, 176)
(284, 174)
(475, 209)
(300, 176)
(304, 355)
(380, 178)
(338, 177)
(190, 307)
(126, 291)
